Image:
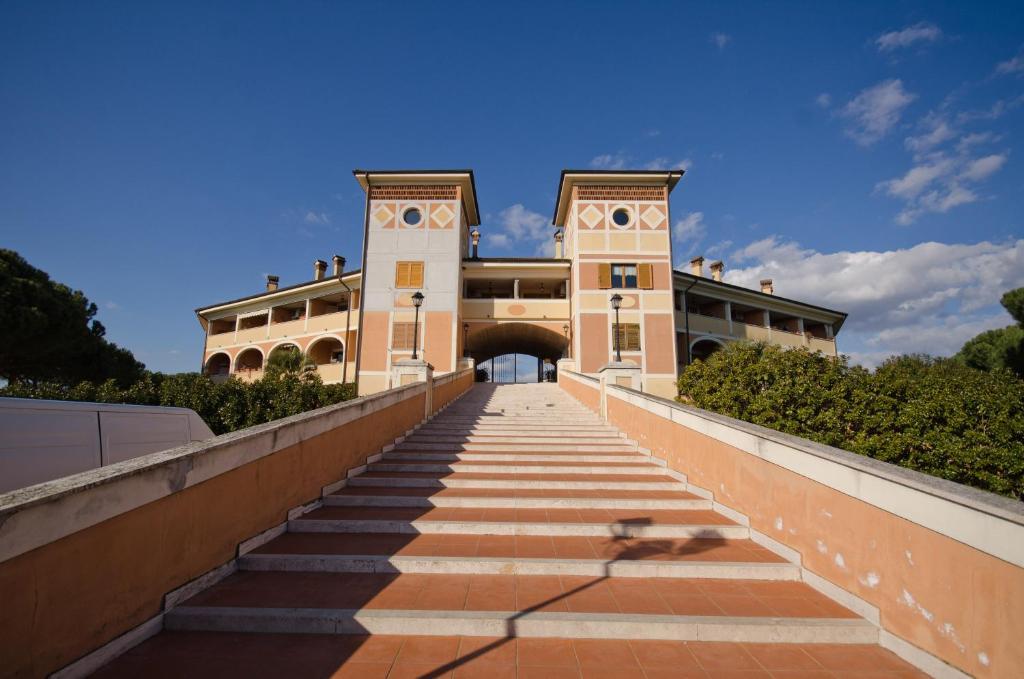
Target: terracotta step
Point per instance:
(200, 654)
(548, 456)
(496, 521)
(650, 608)
(522, 467)
(513, 497)
(549, 481)
(525, 555)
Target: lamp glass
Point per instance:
(417, 299)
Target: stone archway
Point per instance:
(494, 342)
(702, 348)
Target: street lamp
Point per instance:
(465, 339)
(417, 301)
(616, 303)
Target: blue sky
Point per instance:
(866, 156)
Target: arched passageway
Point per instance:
(249, 360)
(512, 352)
(218, 367)
(703, 348)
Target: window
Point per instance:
(621, 217)
(412, 216)
(409, 274)
(337, 356)
(625, 276)
(401, 335)
(629, 336)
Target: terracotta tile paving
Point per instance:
(195, 654)
(532, 515)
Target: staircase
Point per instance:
(515, 534)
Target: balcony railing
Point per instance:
(755, 333)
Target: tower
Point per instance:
(416, 232)
(618, 237)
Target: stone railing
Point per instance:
(92, 561)
(938, 566)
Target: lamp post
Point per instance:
(417, 301)
(465, 339)
(616, 303)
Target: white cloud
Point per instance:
(916, 179)
(937, 132)
(663, 163)
(316, 217)
(609, 161)
(975, 139)
(111, 305)
(875, 110)
(720, 40)
(824, 100)
(928, 298)
(982, 168)
(519, 226)
(997, 110)
(1011, 66)
(498, 240)
(920, 32)
(689, 228)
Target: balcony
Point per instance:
(708, 324)
(287, 329)
(515, 309)
(333, 322)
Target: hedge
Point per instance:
(937, 416)
(224, 407)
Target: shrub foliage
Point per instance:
(937, 416)
(224, 407)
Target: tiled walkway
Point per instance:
(514, 535)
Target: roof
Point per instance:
(570, 178)
(464, 178)
(518, 260)
(712, 283)
(290, 288)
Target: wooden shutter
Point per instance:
(401, 335)
(408, 274)
(415, 274)
(604, 275)
(644, 276)
(632, 342)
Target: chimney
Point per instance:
(558, 245)
(716, 270)
(475, 234)
(767, 287)
(697, 266)
(272, 282)
(339, 265)
(319, 269)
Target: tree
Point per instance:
(48, 331)
(1000, 349)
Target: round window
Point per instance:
(412, 216)
(621, 217)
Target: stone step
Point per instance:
(371, 563)
(498, 467)
(488, 428)
(516, 438)
(370, 496)
(494, 521)
(522, 606)
(511, 447)
(517, 481)
(484, 456)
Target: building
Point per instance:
(612, 237)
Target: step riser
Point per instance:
(505, 624)
(498, 429)
(512, 566)
(499, 483)
(552, 468)
(500, 528)
(512, 457)
(509, 503)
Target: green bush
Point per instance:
(937, 416)
(225, 407)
